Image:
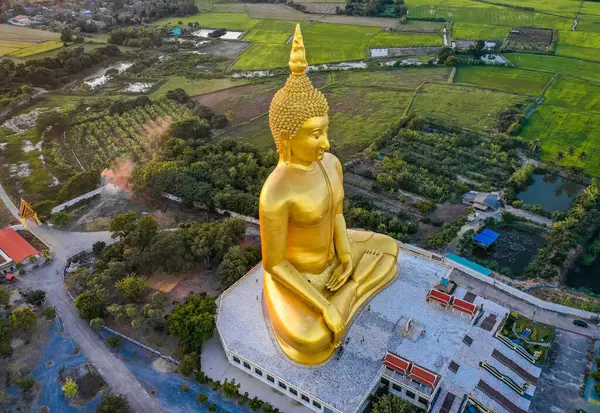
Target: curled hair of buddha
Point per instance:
(298, 100)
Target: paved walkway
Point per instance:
(217, 367)
(49, 278)
(525, 308)
(529, 215)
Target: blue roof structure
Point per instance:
(176, 32)
(486, 238)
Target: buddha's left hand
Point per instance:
(341, 273)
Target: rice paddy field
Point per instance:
(556, 64)
(458, 106)
(574, 94)
(387, 39)
(271, 31)
(584, 53)
(233, 21)
(475, 31)
(558, 129)
(527, 82)
(35, 48)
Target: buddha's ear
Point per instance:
(284, 135)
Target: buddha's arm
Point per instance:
(274, 223)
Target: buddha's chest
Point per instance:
(318, 199)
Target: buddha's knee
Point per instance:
(384, 244)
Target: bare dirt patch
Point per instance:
(224, 48)
(6, 218)
(529, 38)
(322, 8)
(249, 101)
(274, 11)
(22, 34)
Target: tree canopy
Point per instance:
(193, 321)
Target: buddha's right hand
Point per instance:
(335, 322)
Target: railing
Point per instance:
(500, 285)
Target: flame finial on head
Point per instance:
(298, 62)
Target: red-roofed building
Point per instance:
(14, 246)
(440, 297)
(409, 381)
(465, 307)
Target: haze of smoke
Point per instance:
(155, 132)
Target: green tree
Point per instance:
(61, 219)
(188, 364)
(233, 266)
(230, 388)
(5, 295)
(193, 321)
(202, 398)
(146, 228)
(98, 247)
(113, 404)
(122, 225)
(70, 388)
(392, 404)
(96, 323)
(195, 131)
(23, 318)
(5, 338)
(35, 297)
(51, 122)
(90, 305)
(66, 34)
(132, 287)
(79, 184)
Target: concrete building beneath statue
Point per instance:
(433, 348)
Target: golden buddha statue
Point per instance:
(317, 272)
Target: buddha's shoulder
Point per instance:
(330, 159)
(276, 188)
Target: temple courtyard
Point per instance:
(437, 349)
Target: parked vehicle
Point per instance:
(580, 323)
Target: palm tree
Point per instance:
(571, 150)
(582, 156)
(560, 155)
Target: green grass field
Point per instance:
(574, 94)
(474, 31)
(387, 39)
(38, 48)
(196, 86)
(579, 39)
(563, 7)
(324, 43)
(406, 78)
(556, 64)
(589, 23)
(233, 21)
(584, 53)
(271, 31)
(478, 12)
(512, 80)
(458, 106)
(558, 129)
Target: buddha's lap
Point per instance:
(299, 324)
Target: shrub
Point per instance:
(90, 305)
(202, 398)
(26, 383)
(61, 219)
(49, 312)
(426, 206)
(98, 247)
(132, 287)
(212, 407)
(113, 404)
(35, 297)
(23, 318)
(113, 341)
(188, 364)
(597, 388)
(70, 388)
(185, 387)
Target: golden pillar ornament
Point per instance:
(318, 273)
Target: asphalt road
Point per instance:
(49, 278)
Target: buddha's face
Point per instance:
(310, 141)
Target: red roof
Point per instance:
(464, 306)
(424, 376)
(396, 362)
(10, 277)
(439, 296)
(15, 246)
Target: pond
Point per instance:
(513, 249)
(99, 78)
(551, 192)
(158, 375)
(58, 352)
(229, 35)
(585, 276)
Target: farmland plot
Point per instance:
(513, 80)
(556, 64)
(573, 93)
(271, 31)
(475, 31)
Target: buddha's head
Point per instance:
(298, 113)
